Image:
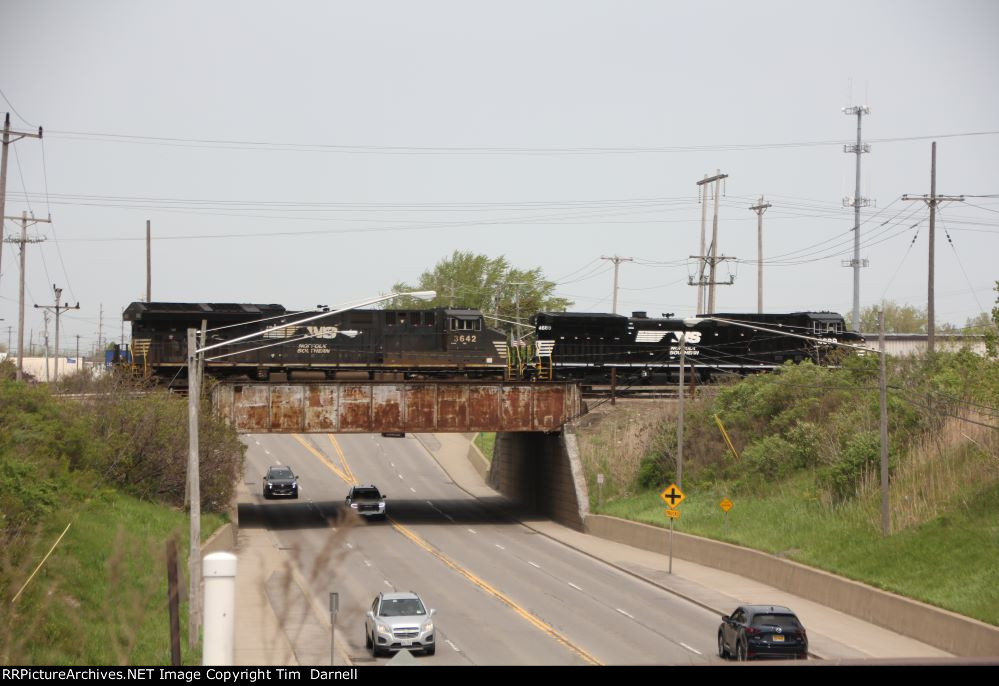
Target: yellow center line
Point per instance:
(343, 458)
(348, 480)
(533, 619)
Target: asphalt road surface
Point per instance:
(504, 594)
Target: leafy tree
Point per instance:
(898, 318)
(489, 284)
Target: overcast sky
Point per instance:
(316, 152)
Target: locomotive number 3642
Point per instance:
(462, 339)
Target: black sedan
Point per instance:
(280, 482)
(760, 631)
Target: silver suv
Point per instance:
(399, 621)
(366, 501)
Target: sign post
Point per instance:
(672, 496)
(725, 505)
(334, 606)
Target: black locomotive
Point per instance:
(588, 346)
(370, 344)
(446, 343)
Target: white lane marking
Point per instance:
(472, 531)
(392, 463)
(257, 442)
(693, 650)
(268, 452)
(624, 613)
(534, 564)
(387, 583)
(350, 545)
(412, 489)
(448, 641)
(399, 475)
(367, 563)
(575, 586)
(499, 546)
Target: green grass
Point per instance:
(485, 442)
(949, 561)
(101, 597)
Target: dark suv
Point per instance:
(757, 631)
(366, 501)
(280, 481)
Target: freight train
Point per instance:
(447, 343)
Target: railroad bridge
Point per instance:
(379, 406)
(535, 463)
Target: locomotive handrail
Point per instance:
(694, 321)
(423, 295)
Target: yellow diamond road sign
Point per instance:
(673, 496)
(726, 504)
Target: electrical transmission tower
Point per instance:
(856, 202)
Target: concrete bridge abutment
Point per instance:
(541, 472)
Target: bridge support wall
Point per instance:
(542, 473)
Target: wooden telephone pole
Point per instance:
(7, 140)
(23, 242)
(932, 200)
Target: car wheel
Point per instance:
(740, 651)
(431, 650)
(722, 650)
(367, 640)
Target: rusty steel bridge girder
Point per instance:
(372, 407)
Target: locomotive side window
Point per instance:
(465, 324)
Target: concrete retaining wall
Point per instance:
(478, 461)
(946, 630)
(222, 541)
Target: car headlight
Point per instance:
(294, 484)
(429, 626)
(381, 506)
(382, 628)
(354, 505)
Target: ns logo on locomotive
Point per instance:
(447, 343)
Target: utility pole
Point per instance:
(703, 190)
(617, 263)
(856, 202)
(932, 200)
(100, 328)
(46, 315)
(20, 316)
(711, 256)
(883, 390)
(58, 310)
(149, 263)
(7, 140)
(760, 207)
(79, 362)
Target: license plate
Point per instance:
(407, 643)
(777, 638)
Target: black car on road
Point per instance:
(280, 482)
(761, 631)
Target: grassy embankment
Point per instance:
(806, 483)
(112, 466)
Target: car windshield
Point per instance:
(366, 493)
(782, 621)
(401, 607)
(280, 473)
